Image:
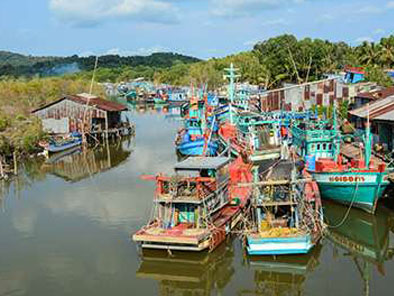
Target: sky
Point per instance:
(200, 28)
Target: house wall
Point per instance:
(303, 97)
(73, 112)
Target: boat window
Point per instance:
(324, 147)
(313, 147)
(329, 146)
(318, 147)
(208, 173)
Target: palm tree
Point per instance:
(386, 54)
(368, 53)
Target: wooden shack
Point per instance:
(83, 113)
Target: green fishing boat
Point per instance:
(356, 182)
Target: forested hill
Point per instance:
(14, 64)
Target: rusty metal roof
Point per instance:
(377, 94)
(91, 100)
(379, 110)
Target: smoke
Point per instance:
(64, 69)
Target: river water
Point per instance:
(65, 229)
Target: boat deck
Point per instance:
(184, 236)
(352, 152)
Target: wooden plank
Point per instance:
(275, 203)
(274, 182)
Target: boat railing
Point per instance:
(313, 135)
(184, 188)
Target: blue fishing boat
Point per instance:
(286, 215)
(197, 147)
(198, 137)
(61, 143)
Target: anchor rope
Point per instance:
(347, 211)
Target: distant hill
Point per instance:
(14, 64)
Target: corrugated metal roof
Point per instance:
(380, 110)
(377, 94)
(84, 99)
(197, 163)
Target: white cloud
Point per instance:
(142, 51)
(275, 22)
(369, 9)
(93, 12)
(379, 31)
(390, 5)
(251, 42)
(365, 38)
(237, 8)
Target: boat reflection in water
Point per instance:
(186, 273)
(77, 164)
(362, 237)
(282, 275)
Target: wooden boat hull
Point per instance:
(361, 189)
(260, 246)
(55, 148)
(209, 239)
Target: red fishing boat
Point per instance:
(195, 209)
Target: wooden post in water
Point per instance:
(106, 125)
(15, 164)
(2, 175)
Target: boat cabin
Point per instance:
(314, 139)
(285, 209)
(263, 136)
(187, 204)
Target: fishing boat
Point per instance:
(177, 96)
(287, 215)
(263, 135)
(197, 137)
(195, 209)
(358, 182)
(61, 143)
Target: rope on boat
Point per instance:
(347, 211)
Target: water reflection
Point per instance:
(282, 275)
(362, 238)
(189, 273)
(77, 164)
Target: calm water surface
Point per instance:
(65, 225)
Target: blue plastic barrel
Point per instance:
(311, 162)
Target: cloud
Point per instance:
(369, 9)
(142, 51)
(93, 12)
(240, 8)
(379, 31)
(390, 5)
(363, 39)
(275, 22)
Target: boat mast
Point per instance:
(231, 88)
(368, 141)
(336, 133)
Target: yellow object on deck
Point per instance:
(279, 232)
